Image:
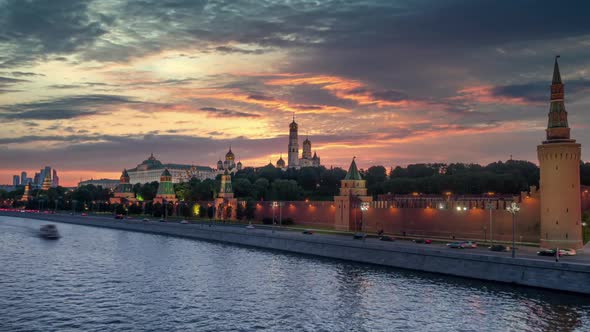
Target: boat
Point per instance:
(49, 232)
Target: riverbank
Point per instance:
(528, 270)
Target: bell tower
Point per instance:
(293, 155)
(559, 162)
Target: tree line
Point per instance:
(319, 183)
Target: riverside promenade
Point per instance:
(569, 274)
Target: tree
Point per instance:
(250, 211)
(286, 190)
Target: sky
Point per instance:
(92, 87)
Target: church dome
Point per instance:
(219, 164)
(230, 155)
(281, 163)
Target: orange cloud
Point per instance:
(484, 94)
(348, 89)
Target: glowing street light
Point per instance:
(513, 209)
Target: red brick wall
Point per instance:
(312, 213)
(469, 224)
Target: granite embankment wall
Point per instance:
(545, 274)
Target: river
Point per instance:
(95, 279)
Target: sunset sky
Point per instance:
(92, 87)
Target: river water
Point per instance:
(95, 279)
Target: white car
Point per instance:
(567, 252)
(146, 219)
(183, 221)
(250, 226)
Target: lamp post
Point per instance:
(364, 207)
(490, 207)
(274, 205)
(513, 209)
(281, 214)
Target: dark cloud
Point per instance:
(225, 113)
(538, 92)
(63, 108)
(25, 74)
(36, 29)
(261, 97)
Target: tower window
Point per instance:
(556, 168)
(566, 235)
(567, 210)
(557, 222)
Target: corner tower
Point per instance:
(293, 160)
(559, 161)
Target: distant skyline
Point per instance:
(92, 87)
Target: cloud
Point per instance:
(35, 29)
(225, 113)
(25, 74)
(63, 108)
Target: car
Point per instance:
(119, 216)
(183, 221)
(250, 226)
(548, 252)
(307, 231)
(423, 241)
(358, 236)
(567, 252)
(499, 247)
(145, 219)
(462, 245)
(386, 238)
(84, 214)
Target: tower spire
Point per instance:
(556, 74)
(557, 126)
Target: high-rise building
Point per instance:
(559, 161)
(23, 177)
(55, 179)
(15, 180)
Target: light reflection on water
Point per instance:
(103, 279)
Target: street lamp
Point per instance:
(513, 209)
(490, 207)
(274, 205)
(364, 207)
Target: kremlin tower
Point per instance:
(165, 188)
(559, 161)
(46, 181)
(353, 192)
(27, 194)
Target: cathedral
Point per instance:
(293, 160)
(229, 164)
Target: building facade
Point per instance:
(559, 162)
(104, 183)
(151, 169)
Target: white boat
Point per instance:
(49, 232)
